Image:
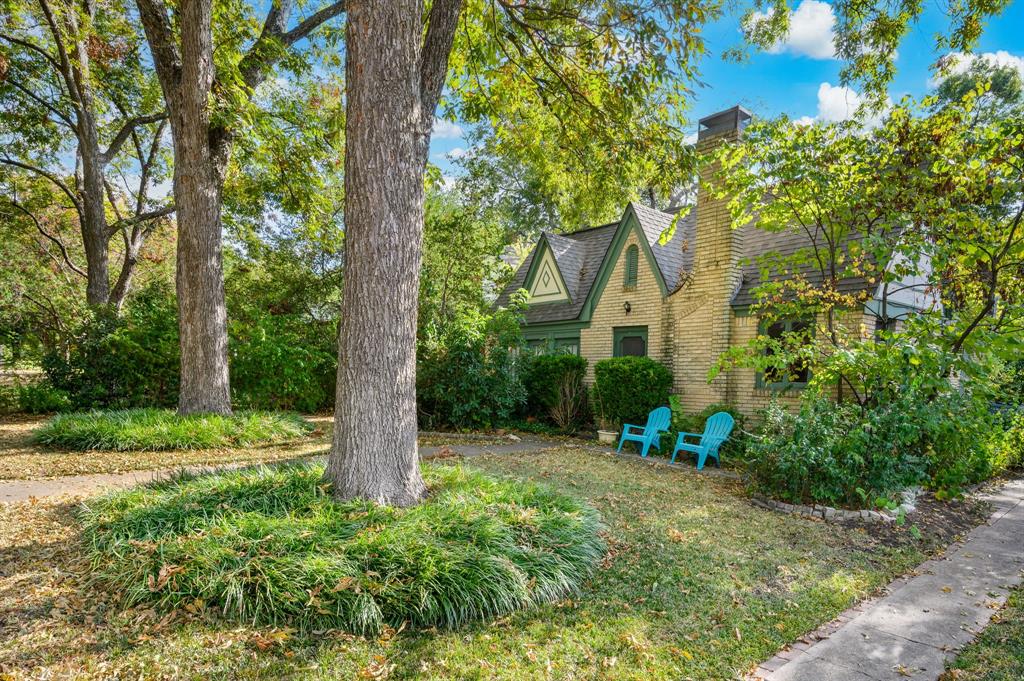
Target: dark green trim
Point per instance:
(545, 328)
(553, 339)
(538, 257)
(629, 221)
(784, 385)
(620, 332)
(632, 266)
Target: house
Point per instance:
(616, 290)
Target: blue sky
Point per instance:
(800, 78)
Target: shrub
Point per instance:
(468, 373)
(269, 546)
(126, 361)
(628, 388)
(830, 453)
(1009, 445)
(282, 362)
(42, 398)
(159, 429)
(554, 389)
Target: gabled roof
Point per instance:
(580, 256)
(675, 258)
(758, 243)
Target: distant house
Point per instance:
(615, 290)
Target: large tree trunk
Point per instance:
(374, 454)
(202, 312)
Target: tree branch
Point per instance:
(32, 46)
(125, 132)
(140, 218)
(160, 36)
(266, 51)
(43, 103)
(60, 244)
(314, 22)
(49, 176)
(437, 47)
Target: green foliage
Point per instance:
(270, 546)
(126, 361)
(545, 377)
(282, 362)
(468, 372)
(41, 398)
(626, 389)
(833, 454)
(462, 248)
(911, 425)
(1009, 446)
(160, 429)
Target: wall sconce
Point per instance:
(627, 307)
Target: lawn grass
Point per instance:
(270, 546)
(21, 459)
(697, 584)
(148, 430)
(998, 654)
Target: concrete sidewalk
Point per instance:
(13, 491)
(925, 619)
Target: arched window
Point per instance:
(632, 263)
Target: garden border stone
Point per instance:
(831, 514)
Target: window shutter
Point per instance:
(632, 263)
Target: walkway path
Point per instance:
(924, 619)
(12, 491)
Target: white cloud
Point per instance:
(446, 130)
(811, 31)
(960, 63)
(456, 153)
(839, 103)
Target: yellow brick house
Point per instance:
(615, 290)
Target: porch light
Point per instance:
(627, 307)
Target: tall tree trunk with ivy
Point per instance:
(394, 78)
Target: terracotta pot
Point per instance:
(608, 437)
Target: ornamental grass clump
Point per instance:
(163, 429)
(269, 546)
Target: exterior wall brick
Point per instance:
(702, 315)
(648, 308)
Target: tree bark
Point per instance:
(202, 310)
(394, 78)
(201, 153)
(374, 454)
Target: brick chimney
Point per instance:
(703, 307)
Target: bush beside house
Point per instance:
(626, 389)
(554, 390)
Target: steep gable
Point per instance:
(545, 283)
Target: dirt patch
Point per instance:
(933, 525)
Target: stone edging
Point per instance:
(829, 514)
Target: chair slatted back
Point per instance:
(658, 420)
(717, 428)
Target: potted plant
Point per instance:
(607, 432)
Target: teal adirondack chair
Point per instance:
(716, 431)
(657, 423)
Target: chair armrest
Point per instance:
(683, 435)
(627, 426)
